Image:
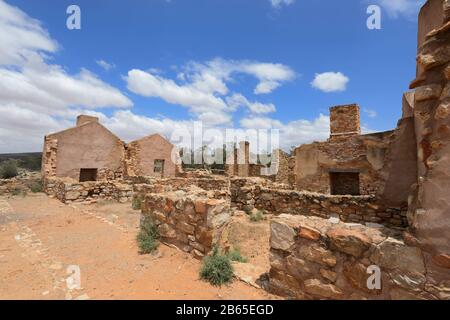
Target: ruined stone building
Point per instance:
(90, 152)
(382, 163)
(150, 156)
(242, 163)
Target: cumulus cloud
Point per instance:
(37, 97)
(214, 74)
(406, 8)
(279, 3)
(330, 82)
(21, 36)
(292, 133)
(238, 100)
(202, 87)
(190, 96)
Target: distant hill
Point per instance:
(31, 161)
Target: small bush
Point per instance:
(217, 268)
(256, 217)
(8, 170)
(16, 191)
(148, 237)
(235, 255)
(137, 203)
(36, 187)
(32, 163)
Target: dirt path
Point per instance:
(40, 238)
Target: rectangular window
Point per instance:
(88, 175)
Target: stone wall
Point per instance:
(429, 212)
(141, 155)
(189, 221)
(364, 154)
(89, 145)
(312, 258)
(49, 158)
(345, 121)
(219, 185)
(361, 209)
(285, 168)
(68, 192)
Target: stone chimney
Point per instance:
(83, 119)
(345, 121)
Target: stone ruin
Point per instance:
(343, 209)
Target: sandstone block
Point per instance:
(316, 288)
(200, 207)
(394, 254)
(442, 260)
(282, 236)
(301, 269)
(408, 280)
(72, 195)
(309, 233)
(443, 111)
(428, 92)
(317, 254)
(166, 231)
(349, 241)
(185, 227)
(329, 275)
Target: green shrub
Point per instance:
(36, 186)
(148, 237)
(32, 163)
(256, 217)
(8, 169)
(16, 191)
(137, 203)
(216, 268)
(235, 255)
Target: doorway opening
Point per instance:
(158, 167)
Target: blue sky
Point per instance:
(153, 66)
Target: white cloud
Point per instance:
(238, 100)
(371, 113)
(214, 74)
(202, 87)
(407, 8)
(198, 101)
(37, 97)
(105, 65)
(293, 133)
(330, 81)
(279, 3)
(21, 36)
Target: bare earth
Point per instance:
(40, 238)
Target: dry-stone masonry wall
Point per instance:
(68, 192)
(312, 258)
(361, 209)
(189, 221)
(217, 188)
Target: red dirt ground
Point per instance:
(40, 238)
